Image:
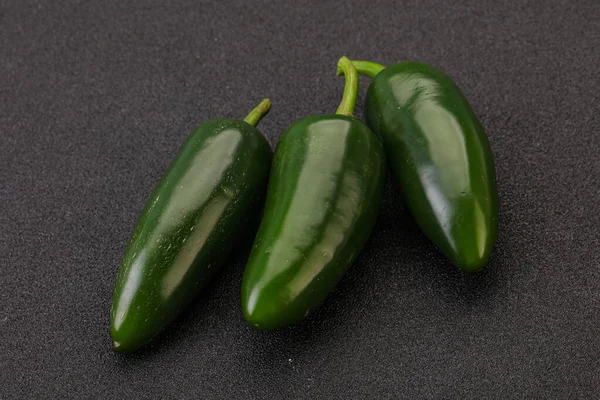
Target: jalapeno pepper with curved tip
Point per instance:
(322, 201)
(215, 185)
(439, 154)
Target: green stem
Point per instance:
(368, 68)
(346, 68)
(258, 112)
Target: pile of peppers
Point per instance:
(319, 195)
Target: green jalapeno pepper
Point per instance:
(440, 156)
(322, 201)
(212, 190)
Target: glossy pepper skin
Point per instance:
(213, 189)
(439, 154)
(322, 202)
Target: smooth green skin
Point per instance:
(440, 155)
(322, 202)
(213, 189)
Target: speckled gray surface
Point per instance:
(96, 97)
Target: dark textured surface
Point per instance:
(96, 97)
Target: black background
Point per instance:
(95, 99)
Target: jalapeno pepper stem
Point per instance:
(262, 109)
(345, 67)
(368, 68)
